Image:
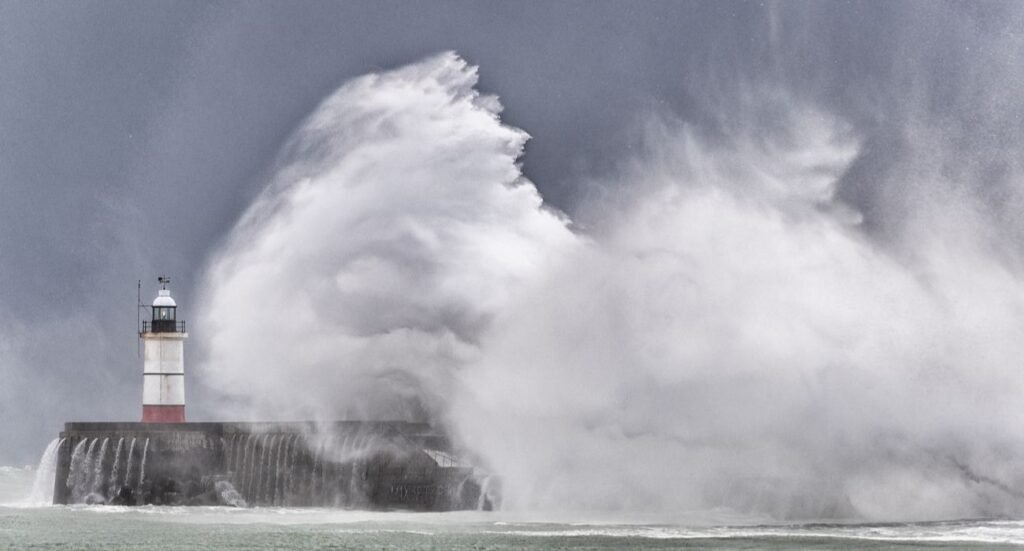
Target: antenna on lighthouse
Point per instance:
(138, 321)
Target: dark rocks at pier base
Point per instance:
(352, 464)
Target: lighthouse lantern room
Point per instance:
(163, 379)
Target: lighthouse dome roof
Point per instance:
(163, 298)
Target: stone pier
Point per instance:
(353, 464)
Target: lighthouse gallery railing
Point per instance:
(163, 326)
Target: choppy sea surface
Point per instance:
(26, 525)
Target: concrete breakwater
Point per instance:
(371, 465)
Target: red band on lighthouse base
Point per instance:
(163, 414)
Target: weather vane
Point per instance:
(163, 280)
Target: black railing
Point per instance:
(163, 326)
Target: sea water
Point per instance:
(28, 524)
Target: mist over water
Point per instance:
(726, 333)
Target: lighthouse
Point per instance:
(163, 368)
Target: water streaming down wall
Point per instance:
(283, 469)
(381, 465)
(489, 492)
(115, 468)
(93, 471)
(42, 486)
(142, 465)
(128, 465)
(73, 473)
(96, 491)
(83, 478)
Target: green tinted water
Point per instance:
(111, 528)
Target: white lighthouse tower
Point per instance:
(163, 378)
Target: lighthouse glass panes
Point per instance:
(164, 319)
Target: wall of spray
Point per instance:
(725, 328)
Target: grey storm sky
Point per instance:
(133, 134)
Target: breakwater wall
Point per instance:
(353, 464)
